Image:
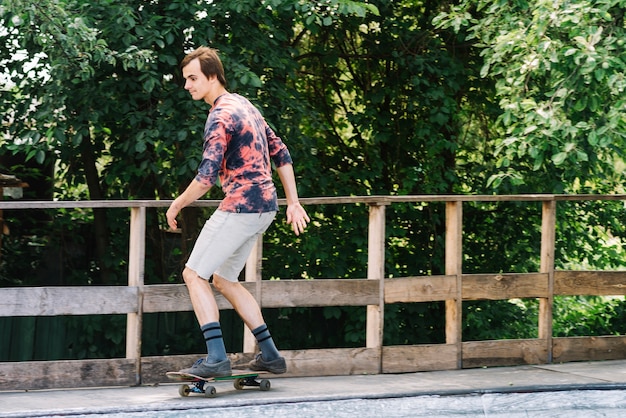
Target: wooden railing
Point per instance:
(373, 292)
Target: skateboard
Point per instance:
(200, 385)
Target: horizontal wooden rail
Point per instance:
(109, 300)
(373, 293)
(83, 300)
(339, 200)
(597, 283)
(504, 286)
(275, 294)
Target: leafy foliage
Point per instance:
(558, 69)
(500, 319)
(580, 315)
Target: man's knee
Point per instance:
(221, 284)
(190, 276)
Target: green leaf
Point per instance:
(494, 181)
(559, 158)
(40, 157)
(140, 147)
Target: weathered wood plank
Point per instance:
(566, 349)
(67, 374)
(454, 267)
(275, 294)
(504, 286)
(546, 265)
(254, 267)
(420, 289)
(419, 358)
(79, 300)
(136, 270)
(332, 362)
(320, 292)
(175, 298)
(318, 362)
(504, 353)
(374, 323)
(166, 298)
(334, 200)
(598, 283)
(153, 368)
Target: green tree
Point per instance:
(558, 70)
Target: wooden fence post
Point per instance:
(376, 271)
(136, 269)
(454, 267)
(254, 265)
(548, 225)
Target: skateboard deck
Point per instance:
(200, 385)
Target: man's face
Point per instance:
(196, 82)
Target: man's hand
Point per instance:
(297, 217)
(194, 191)
(171, 214)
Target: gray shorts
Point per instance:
(225, 243)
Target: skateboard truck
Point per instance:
(201, 386)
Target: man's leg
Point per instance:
(250, 312)
(243, 302)
(204, 305)
(202, 298)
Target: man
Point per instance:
(238, 147)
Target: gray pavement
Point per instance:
(464, 392)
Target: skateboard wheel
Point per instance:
(210, 392)
(183, 390)
(265, 385)
(238, 384)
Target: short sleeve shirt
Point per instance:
(239, 147)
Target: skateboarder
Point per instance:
(239, 147)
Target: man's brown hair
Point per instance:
(210, 63)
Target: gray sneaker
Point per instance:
(203, 369)
(276, 366)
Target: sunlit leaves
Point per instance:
(326, 12)
(559, 73)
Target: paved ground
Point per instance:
(441, 386)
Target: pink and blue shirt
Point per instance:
(239, 147)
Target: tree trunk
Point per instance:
(101, 234)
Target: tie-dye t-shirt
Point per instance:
(238, 145)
